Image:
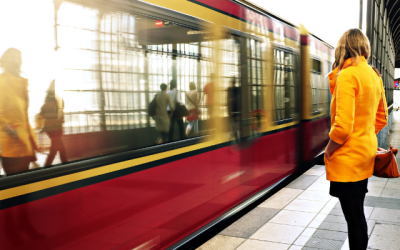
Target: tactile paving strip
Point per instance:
(333, 226)
(335, 219)
(385, 205)
(324, 244)
(338, 205)
(337, 211)
(330, 235)
(381, 202)
(388, 200)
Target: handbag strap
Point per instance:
(191, 101)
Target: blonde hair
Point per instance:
(352, 44)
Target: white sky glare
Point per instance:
(326, 19)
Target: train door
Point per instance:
(253, 114)
(329, 69)
(285, 106)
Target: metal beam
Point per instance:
(361, 14)
(369, 25)
(392, 6)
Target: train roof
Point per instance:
(263, 11)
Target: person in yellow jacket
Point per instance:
(357, 115)
(17, 139)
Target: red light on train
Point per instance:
(159, 23)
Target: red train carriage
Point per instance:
(119, 189)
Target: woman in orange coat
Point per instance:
(357, 115)
(16, 135)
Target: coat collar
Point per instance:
(335, 73)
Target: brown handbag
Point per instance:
(385, 161)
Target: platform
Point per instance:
(304, 216)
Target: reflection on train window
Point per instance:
(285, 82)
(112, 66)
(230, 68)
(255, 74)
(229, 49)
(206, 69)
(318, 88)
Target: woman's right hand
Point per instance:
(332, 147)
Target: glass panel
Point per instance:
(318, 89)
(285, 83)
(255, 76)
(111, 65)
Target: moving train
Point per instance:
(122, 190)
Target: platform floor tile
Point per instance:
(262, 245)
(301, 240)
(385, 215)
(293, 247)
(221, 242)
(282, 198)
(320, 187)
(371, 225)
(374, 191)
(303, 182)
(278, 233)
(377, 184)
(385, 237)
(276, 202)
(250, 223)
(306, 205)
(393, 185)
(293, 218)
(390, 193)
(318, 171)
(314, 196)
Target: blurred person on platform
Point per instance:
(17, 138)
(176, 117)
(357, 115)
(208, 95)
(162, 118)
(192, 100)
(234, 108)
(53, 116)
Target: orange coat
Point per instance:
(357, 115)
(14, 111)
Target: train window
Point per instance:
(255, 74)
(285, 83)
(230, 68)
(134, 56)
(109, 67)
(317, 87)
